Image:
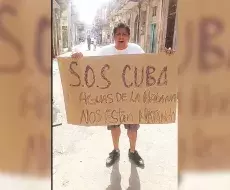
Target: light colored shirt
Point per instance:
(111, 50)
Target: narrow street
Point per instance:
(79, 153)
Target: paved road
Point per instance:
(79, 155)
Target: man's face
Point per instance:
(121, 38)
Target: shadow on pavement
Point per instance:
(56, 117)
(115, 178)
(134, 180)
(55, 113)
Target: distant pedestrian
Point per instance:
(89, 42)
(95, 44)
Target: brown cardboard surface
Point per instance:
(25, 129)
(103, 90)
(204, 90)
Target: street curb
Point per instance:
(57, 124)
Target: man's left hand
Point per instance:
(169, 51)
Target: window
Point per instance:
(154, 11)
(143, 17)
(64, 27)
(143, 22)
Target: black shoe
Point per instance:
(135, 157)
(113, 157)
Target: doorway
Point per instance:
(153, 38)
(171, 23)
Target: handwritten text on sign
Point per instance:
(25, 133)
(204, 91)
(122, 89)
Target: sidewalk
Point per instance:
(59, 116)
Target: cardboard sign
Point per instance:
(124, 89)
(25, 111)
(204, 90)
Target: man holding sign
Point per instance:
(121, 46)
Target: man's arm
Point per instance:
(77, 55)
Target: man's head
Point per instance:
(121, 35)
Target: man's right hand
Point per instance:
(77, 55)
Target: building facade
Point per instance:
(56, 41)
(64, 29)
(102, 23)
(65, 26)
(60, 35)
(148, 21)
